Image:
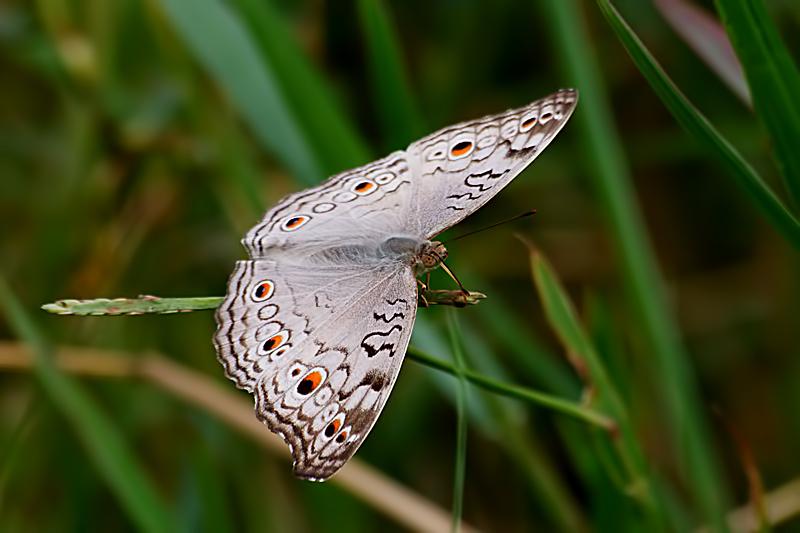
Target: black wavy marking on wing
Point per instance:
(468, 194)
(372, 352)
(376, 316)
(489, 174)
(480, 186)
(394, 302)
(459, 197)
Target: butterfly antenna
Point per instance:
(523, 215)
(464, 291)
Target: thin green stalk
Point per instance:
(156, 305)
(461, 424)
(565, 407)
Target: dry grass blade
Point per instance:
(782, 504)
(373, 488)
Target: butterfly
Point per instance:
(316, 324)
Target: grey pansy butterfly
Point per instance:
(317, 323)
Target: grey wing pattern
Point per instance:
(459, 168)
(365, 202)
(320, 349)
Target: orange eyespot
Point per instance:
(273, 342)
(461, 149)
(363, 187)
(310, 383)
(527, 123)
(342, 437)
(384, 178)
(263, 290)
(333, 427)
(281, 351)
(294, 222)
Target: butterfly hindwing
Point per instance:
(320, 348)
(325, 403)
(458, 169)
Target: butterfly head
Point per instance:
(430, 255)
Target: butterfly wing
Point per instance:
(320, 347)
(314, 325)
(459, 168)
(362, 204)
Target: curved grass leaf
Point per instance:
(332, 136)
(773, 79)
(222, 45)
(627, 463)
(696, 124)
(399, 115)
(565, 407)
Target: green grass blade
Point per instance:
(399, 116)
(639, 272)
(696, 124)
(104, 445)
(773, 79)
(332, 136)
(221, 44)
(624, 457)
(563, 319)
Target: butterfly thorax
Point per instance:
(409, 251)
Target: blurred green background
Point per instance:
(139, 139)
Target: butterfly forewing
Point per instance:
(458, 169)
(366, 202)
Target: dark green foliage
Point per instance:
(140, 139)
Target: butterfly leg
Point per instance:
(421, 300)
